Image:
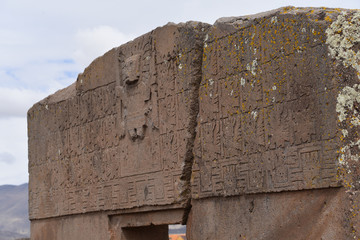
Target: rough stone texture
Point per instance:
(134, 226)
(297, 215)
(279, 112)
(267, 118)
(123, 135)
(253, 121)
(82, 226)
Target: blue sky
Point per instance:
(45, 44)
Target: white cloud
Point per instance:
(16, 102)
(13, 141)
(176, 226)
(7, 158)
(94, 42)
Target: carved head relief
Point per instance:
(131, 70)
(135, 95)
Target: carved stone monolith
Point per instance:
(245, 129)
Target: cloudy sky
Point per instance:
(44, 44)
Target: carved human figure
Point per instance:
(135, 95)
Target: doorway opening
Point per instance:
(151, 232)
(149, 225)
(155, 232)
(177, 232)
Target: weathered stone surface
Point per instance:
(144, 225)
(92, 226)
(297, 215)
(123, 136)
(254, 119)
(279, 112)
(267, 118)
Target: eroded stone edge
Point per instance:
(343, 39)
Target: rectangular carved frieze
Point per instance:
(267, 119)
(119, 139)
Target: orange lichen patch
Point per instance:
(328, 18)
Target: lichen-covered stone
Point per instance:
(247, 129)
(343, 38)
(267, 120)
(279, 111)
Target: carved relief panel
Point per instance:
(266, 120)
(120, 139)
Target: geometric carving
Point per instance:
(118, 138)
(263, 119)
(255, 104)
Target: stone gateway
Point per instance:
(245, 129)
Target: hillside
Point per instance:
(14, 221)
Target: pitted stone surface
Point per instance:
(267, 119)
(253, 108)
(122, 138)
(279, 108)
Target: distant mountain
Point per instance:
(14, 219)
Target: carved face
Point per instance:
(131, 70)
(138, 109)
(135, 97)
